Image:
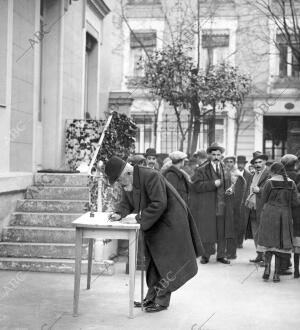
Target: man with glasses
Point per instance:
(253, 202)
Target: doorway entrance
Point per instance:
(281, 135)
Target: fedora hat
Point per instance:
(258, 155)
(114, 168)
(214, 146)
(150, 152)
(241, 159)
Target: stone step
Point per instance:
(61, 179)
(51, 206)
(38, 234)
(106, 267)
(57, 193)
(39, 250)
(43, 219)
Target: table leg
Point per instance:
(90, 263)
(132, 268)
(78, 249)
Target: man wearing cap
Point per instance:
(238, 186)
(254, 202)
(210, 191)
(151, 156)
(172, 242)
(176, 176)
(241, 165)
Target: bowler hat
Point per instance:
(113, 168)
(258, 155)
(214, 146)
(150, 152)
(241, 160)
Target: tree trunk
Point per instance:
(212, 126)
(196, 126)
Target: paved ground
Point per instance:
(220, 297)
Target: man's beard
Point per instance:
(128, 187)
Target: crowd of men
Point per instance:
(205, 205)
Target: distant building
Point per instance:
(229, 31)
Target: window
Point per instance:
(219, 132)
(288, 64)
(139, 43)
(215, 47)
(143, 139)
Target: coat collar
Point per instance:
(264, 176)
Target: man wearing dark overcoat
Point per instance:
(254, 202)
(176, 176)
(238, 184)
(172, 242)
(241, 165)
(211, 205)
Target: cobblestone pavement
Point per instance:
(220, 297)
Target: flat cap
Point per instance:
(177, 155)
(229, 157)
(114, 168)
(201, 154)
(289, 159)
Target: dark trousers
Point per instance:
(221, 241)
(158, 290)
(254, 225)
(231, 247)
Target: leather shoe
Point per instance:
(257, 260)
(276, 278)
(146, 303)
(240, 246)
(296, 274)
(285, 272)
(204, 260)
(231, 257)
(223, 261)
(155, 308)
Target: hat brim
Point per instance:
(264, 157)
(210, 149)
(113, 180)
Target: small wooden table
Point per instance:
(99, 227)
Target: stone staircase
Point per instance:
(40, 236)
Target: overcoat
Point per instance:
(179, 181)
(276, 224)
(171, 237)
(292, 174)
(248, 178)
(259, 204)
(238, 198)
(203, 204)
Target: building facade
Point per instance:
(55, 65)
(239, 34)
